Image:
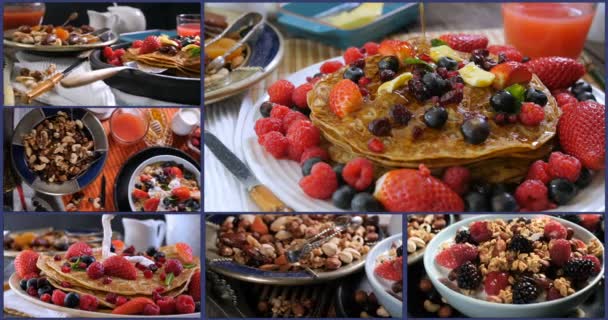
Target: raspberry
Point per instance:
(469, 276)
(150, 44)
(166, 305)
(555, 230)
(121, 300)
(457, 178)
(331, 67)
(32, 291)
(148, 274)
(302, 135)
(265, 125)
(358, 173)
(531, 114)
(294, 152)
(351, 55)
(279, 112)
(276, 144)
(371, 48)
(280, 92)
(137, 44)
(299, 95)
(45, 297)
(174, 266)
(495, 281)
(564, 166)
(479, 231)
(532, 195)
(559, 251)
(456, 255)
(364, 81)
(525, 291)
(88, 302)
(597, 265)
(184, 304)
(321, 182)
(291, 117)
(579, 269)
(108, 53)
(111, 297)
(106, 280)
(95, 270)
(539, 171)
(314, 152)
(66, 269)
(565, 98)
(58, 297)
(151, 310)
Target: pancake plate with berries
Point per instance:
(415, 143)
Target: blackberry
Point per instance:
(418, 90)
(578, 269)
(464, 236)
(574, 218)
(525, 291)
(468, 276)
(521, 244)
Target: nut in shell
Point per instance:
(345, 257)
(329, 249)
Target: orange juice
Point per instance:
(22, 14)
(547, 29)
(128, 126)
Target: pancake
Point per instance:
(182, 62)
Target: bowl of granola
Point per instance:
(421, 228)
(526, 265)
(384, 270)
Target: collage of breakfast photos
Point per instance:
(329, 128)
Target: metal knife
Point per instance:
(260, 194)
(102, 194)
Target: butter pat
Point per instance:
(444, 51)
(358, 17)
(398, 82)
(475, 76)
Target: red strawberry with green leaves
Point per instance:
(465, 42)
(556, 72)
(581, 132)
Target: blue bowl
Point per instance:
(303, 19)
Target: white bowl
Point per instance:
(393, 305)
(162, 158)
(474, 307)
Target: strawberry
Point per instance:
(150, 44)
(479, 231)
(465, 42)
(280, 92)
(556, 72)
(151, 204)
(182, 193)
(456, 255)
(495, 281)
(133, 306)
(140, 194)
(78, 249)
(416, 190)
(555, 230)
(345, 98)
(390, 269)
(176, 172)
(194, 288)
(331, 67)
(184, 252)
(351, 55)
(510, 72)
(119, 266)
(581, 132)
(508, 51)
(559, 251)
(25, 263)
(400, 49)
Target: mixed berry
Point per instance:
(519, 261)
(389, 268)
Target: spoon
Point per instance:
(73, 16)
(82, 79)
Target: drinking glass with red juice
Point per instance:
(22, 14)
(189, 25)
(547, 29)
(128, 125)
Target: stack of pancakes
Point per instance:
(183, 63)
(504, 156)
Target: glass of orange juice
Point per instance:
(189, 25)
(547, 29)
(128, 125)
(23, 14)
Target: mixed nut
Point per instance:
(262, 240)
(31, 78)
(48, 35)
(53, 240)
(421, 228)
(58, 149)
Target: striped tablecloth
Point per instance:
(222, 191)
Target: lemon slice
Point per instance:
(398, 82)
(475, 76)
(444, 51)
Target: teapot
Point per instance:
(121, 19)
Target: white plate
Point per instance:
(282, 176)
(14, 284)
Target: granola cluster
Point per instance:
(421, 228)
(519, 261)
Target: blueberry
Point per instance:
(112, 249)
(353, 74)
(503, 202)
(343, 197)
(447, 63)
(380, 127)
(503, 101)
(159, 255)
(436, 117)
(482, 187)
(389, 63)
(401, 116)
(307, 165)
(32, 283)
(365, 202)
(71, 300)
(197, 306)
(476, 202)
(151, 251)
(46, 289)
(23, 284)
(387, 75)
(499, 188)
(265, 109)
(74, 259)
(561, 190)
(87, 259)
(580, 87)
(475, 130)
(338, 170)
(584, 179)
(584, 96)
(536, 96)
(435, 84)
(42, 282)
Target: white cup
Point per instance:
(143, 234)
(185, 120)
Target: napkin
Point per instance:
(14, 302)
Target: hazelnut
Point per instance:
(263, 306)
(445, 311)
(439, 224)
(332, 263)
(360, 297)
(371, 237)
(425, 285)
(267, 238)
(298, 310)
